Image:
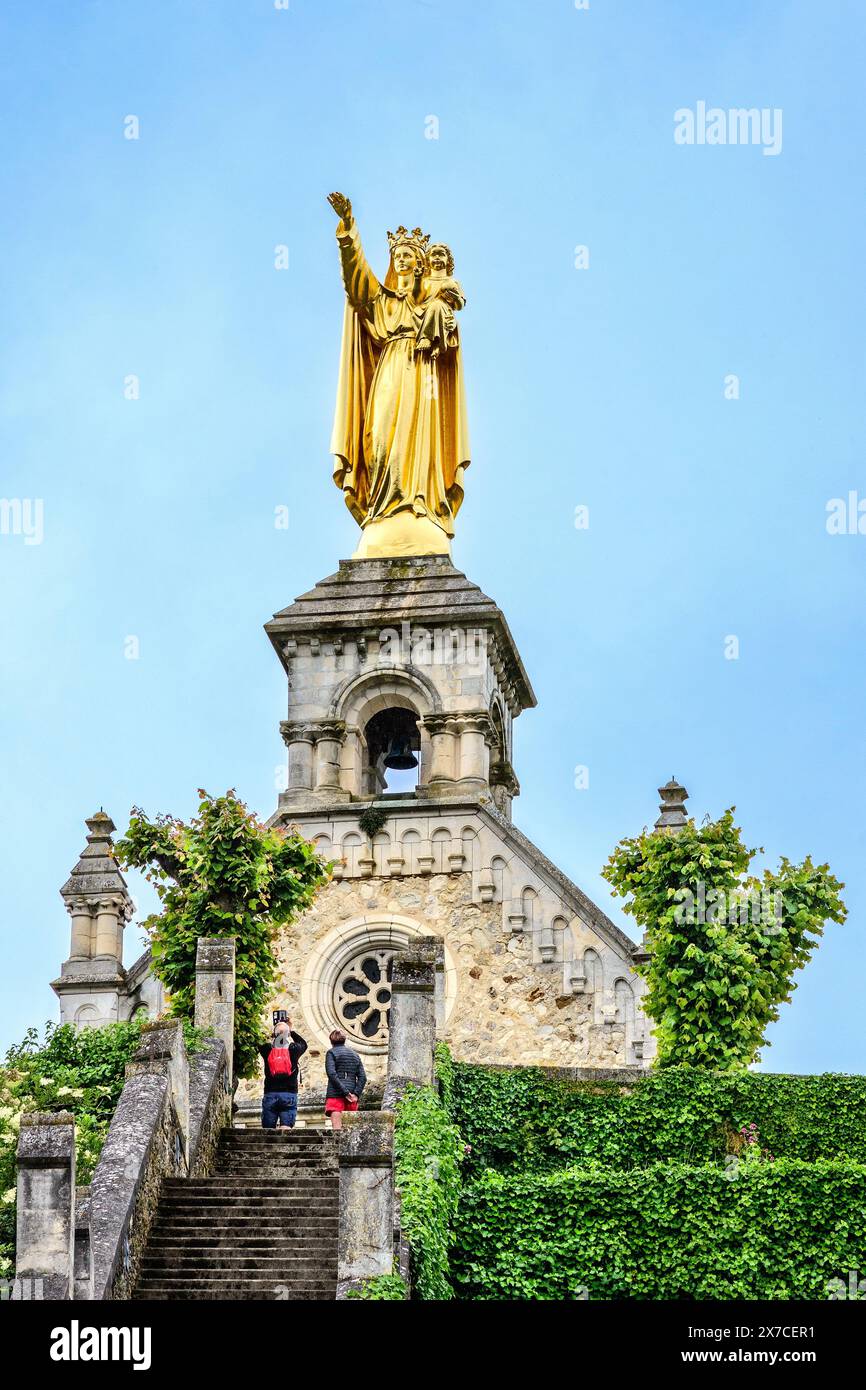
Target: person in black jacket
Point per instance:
(346, 1078)
(280, 1100)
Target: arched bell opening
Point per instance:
(393, 742)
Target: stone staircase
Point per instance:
(262, 1226)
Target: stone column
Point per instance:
(299, 739)
(443, 743)
(109, 930)
(81, 945)
(46, 1203)
(476, 734)
(366, 1229)
(215, 989)
(412, 1033)
(329, 741)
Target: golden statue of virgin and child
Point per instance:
(400, 436)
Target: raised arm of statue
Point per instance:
(362, 287)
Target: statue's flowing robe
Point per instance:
(400, 436)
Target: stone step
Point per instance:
(283, 1153)
(262, 1187)
(291, 1218)
(280, 1228)
(287, 1172)
(244, 1139)
(217, 1249)
(265, 1279)
(324, 1287)
(186, 1293)
(287, 1144)
(242, 1196)
(266, 1207)
(235, 1234)
(285, 1192)
(275, 1160)
(294, 1265)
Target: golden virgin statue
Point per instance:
(400, 437)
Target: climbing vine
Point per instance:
(761, 1230)
(428, 1151)
(222, 874)
(524, 1119)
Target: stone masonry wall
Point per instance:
(501, 1006)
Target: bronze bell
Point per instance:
(399, 754)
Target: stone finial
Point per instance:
(97, 872)
(673, 806)
(92, 983)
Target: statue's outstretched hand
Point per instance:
(341, 205)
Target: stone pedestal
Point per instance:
(215, 990)
(413, 1019)
(366, 1240)
(45, 1237)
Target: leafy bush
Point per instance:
(427, 1155)
(223, 874)
(382, 1287)
(79, 1070)
(523, 1118)
(723, 945)
(780, 1230)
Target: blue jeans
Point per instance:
(279, 1105)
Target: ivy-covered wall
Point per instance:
(683, 1184)
(782, 1230)
(527, 1119)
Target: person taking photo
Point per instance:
(280, 1058)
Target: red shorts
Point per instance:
(339, 1103)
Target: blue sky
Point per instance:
(602, 387)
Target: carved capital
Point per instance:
(440, 724)
(477, 722)
(334, 729)
(312, 731)
(297, 732)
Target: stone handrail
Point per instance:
(146, 1142)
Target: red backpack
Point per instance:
(279, 1061)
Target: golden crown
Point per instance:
(417, 239)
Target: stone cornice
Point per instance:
(367, 596)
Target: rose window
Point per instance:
(362, 995)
